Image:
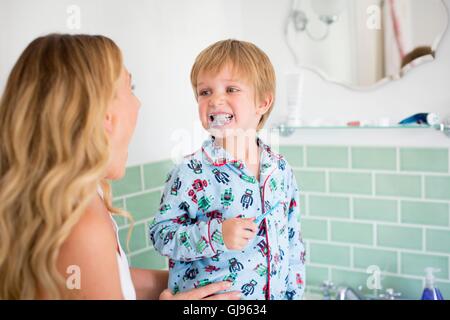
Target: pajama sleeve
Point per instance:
(175, 231)
(297, 252)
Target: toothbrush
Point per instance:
(259, 219)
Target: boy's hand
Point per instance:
(237, 232)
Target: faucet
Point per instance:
(327, 286)
(390, 294)
(348, 293)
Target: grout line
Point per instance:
(321, 219)
(376, 171)
(399, 262)
(387, 223)
(399, 212)
(385, 273)
(140, 193)
(327, 181)
(135, 253)
(383, 197)
(337, 219)
(136, 223)
(378, 247)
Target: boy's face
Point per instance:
(227, 103)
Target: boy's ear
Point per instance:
(108, 123)
(264, 104)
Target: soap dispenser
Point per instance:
(431, 292)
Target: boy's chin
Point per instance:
(222, 133)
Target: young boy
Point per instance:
(229, 211)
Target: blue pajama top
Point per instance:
(209, 187)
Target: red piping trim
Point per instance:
(265, 219)
(267, 238)
(209, 236)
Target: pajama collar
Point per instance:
(217, 156)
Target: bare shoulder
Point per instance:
(94, 226)
(91, 246)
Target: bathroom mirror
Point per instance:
(363, 43)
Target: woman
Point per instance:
(66, 118)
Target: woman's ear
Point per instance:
(264, 104)
(108, 123)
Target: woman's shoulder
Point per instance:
(91, 246)
(95, 225)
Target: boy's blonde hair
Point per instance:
(247, 60)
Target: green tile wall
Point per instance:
(437, 187)
(355, 183)
(386, 259)
(374, 158)
(375, 209)
(327, 157)
(423, 160)
(329, 206)
(398, 185)
(360, 206)
(310, 180)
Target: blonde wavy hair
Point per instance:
(53, 153)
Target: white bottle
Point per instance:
(295, 82)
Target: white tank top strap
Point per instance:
(128, 290)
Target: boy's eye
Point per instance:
(232, 89)
(204, 92)
(133, 87)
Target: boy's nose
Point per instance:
(217, 100)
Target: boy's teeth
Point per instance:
(217, 120)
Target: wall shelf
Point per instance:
(286, 130)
